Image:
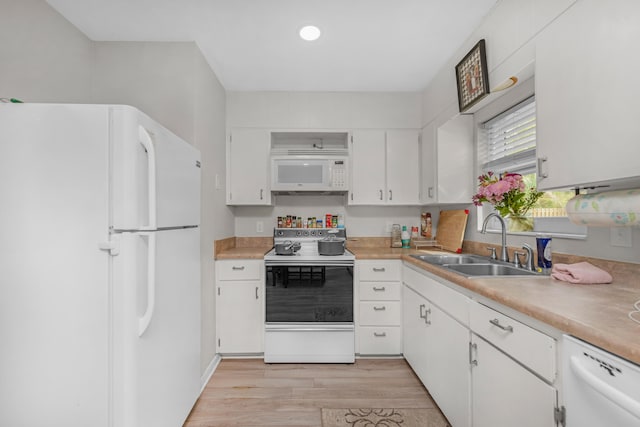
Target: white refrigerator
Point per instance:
(99, 268)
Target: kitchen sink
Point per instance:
(451, 259)
(490, 270)
(477, 266)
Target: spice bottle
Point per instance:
(405, 237)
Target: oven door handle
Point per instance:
(327, 329)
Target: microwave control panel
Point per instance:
(339, 174)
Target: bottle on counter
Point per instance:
(405, 237)
(396, 236)
(543, 247)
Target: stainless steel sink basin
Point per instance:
(451, 259)
(490, 270)
(472, 266)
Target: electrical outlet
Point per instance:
(389, 226)
(621, 237)
(259, 227)
(218, 184)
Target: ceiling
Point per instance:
(252, 45)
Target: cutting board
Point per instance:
(450, 230)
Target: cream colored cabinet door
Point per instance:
(248, 172)
(239, 317)
(447, 174)
(414, 330)
(448, 366)
(505, 394)
(587, 96)
(403, 167)
(368, 176)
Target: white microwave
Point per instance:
(309, 173)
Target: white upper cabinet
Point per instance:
(385, 167)
(248, 167)
(447, 161)
(587, 101)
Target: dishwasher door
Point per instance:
(599, 389)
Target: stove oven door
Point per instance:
(309, 314)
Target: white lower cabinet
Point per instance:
(513, 371)
(379, 319)
(239, 306)
(482, 368)
(505, 394)
(437, 346)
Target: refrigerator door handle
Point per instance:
(145, 320)
(147, 143)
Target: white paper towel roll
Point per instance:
(608, 209)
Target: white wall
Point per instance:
(510, 33)
(43, 58)
(46, 59)
(323, 111)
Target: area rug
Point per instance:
(383, 417)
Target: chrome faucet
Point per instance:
(504, 256)
(529, 260)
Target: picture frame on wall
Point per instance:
(472, 77)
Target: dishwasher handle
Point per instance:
(614, 395)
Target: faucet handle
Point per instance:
(516, 259)
(493, 252)
(529, 259)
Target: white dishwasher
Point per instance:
(600, 389)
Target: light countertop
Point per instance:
(595, 313)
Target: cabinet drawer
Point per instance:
(375, 340)
(380, 270)
(380, 313)
(380, 291)
(241, 269)
(528, 346)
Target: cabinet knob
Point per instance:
(380, 289)
(383, 308)
(379, 270)
(238, 268)
(380, 334)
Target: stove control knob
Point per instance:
(298, 233)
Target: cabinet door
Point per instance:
(428, 159)
(239, 318)
(403, 167)
(414, 332)
(505, 394)
(454, 153)
(248, 167)
(586, 96)
(368, 168)
(448, 369)
(447, 161)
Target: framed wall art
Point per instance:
(472, 77)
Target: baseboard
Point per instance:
(208, 373)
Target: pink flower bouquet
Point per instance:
(508, 194)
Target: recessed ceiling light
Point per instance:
(310, 33)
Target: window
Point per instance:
(507, 143)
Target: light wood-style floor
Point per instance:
(250, 393)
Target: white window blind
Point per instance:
(508, 141)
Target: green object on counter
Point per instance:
(11, 100)
(406, 238)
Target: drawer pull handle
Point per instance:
(380, 334)
(496, 322)
(422, 307)
(238, 268)
(383, 308)
(381, 289)
(427, 312)
(379, 270)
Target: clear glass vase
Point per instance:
(520, 224)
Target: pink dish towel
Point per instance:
(581, 272)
